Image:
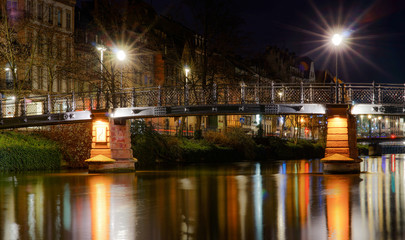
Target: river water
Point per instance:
(282, 200)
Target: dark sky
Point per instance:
(377, 32)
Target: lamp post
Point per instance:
(101, 48)
(186, 71)
(121, 56)
(337, 39)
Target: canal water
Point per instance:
(282, 200)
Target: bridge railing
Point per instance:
(273, 93)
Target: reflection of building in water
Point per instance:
(382, 196)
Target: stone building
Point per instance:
(42, 36)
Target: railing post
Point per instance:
(311, 94)
(282, 93)
(159, 96)
(1, 106)
(84, 103)
(48, 104)
(379, 94)
(342, 92)
(373, 95)
(133, 97)
(91, 102)
(23, 107)
(227, 94)
(257, 100)
(67, 105)
(214, 93)
(73, 102)
(302, 92)
(186, 95)
(242, 93)
(272, 92)
(349, 95)
(403, 97)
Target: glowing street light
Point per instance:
(186, 70)
(337, 39)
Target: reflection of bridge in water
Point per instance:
(191, 100)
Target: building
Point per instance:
(42, 36)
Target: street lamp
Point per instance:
(121, 56)
(337, 39)
(186, 70)
(101, 48)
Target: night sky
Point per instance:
(377, 30)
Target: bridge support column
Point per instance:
(111, 145)
(341, 145)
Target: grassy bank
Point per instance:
(26, 152)
(235, 145)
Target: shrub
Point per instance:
(22, 152)
(75, 141)
(150, 147)
(362, 149)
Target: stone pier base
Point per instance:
(111, 145)
(341, 144)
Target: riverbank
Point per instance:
(28, 152)
(150, 147)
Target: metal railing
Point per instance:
(194, 95)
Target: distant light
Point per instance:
(186, 70)
(369, 116)
(337, 39)
(257, 119)
(101, 48)
(121, 55)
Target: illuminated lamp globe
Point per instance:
(121, 55)
(337, 39)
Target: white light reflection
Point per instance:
(258, 200)
(242, 200)
(281, 187)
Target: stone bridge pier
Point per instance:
(111, 145)
(341, 154)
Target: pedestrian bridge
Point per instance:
(111, 133)
(188, 100)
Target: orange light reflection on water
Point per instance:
(100, 207)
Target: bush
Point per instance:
(236, 139)
(203, 151)
(362, 149)
(150, 147)
(23, 152)
(75, 141)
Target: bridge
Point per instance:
(342, 101)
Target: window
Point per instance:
(59, 17)
(68, 20)
(12, 5)
(40, 7)
(29, 9)
(50, 14)
(145, 80)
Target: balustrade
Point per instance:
(189, 95)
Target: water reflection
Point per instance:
(283, 200)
